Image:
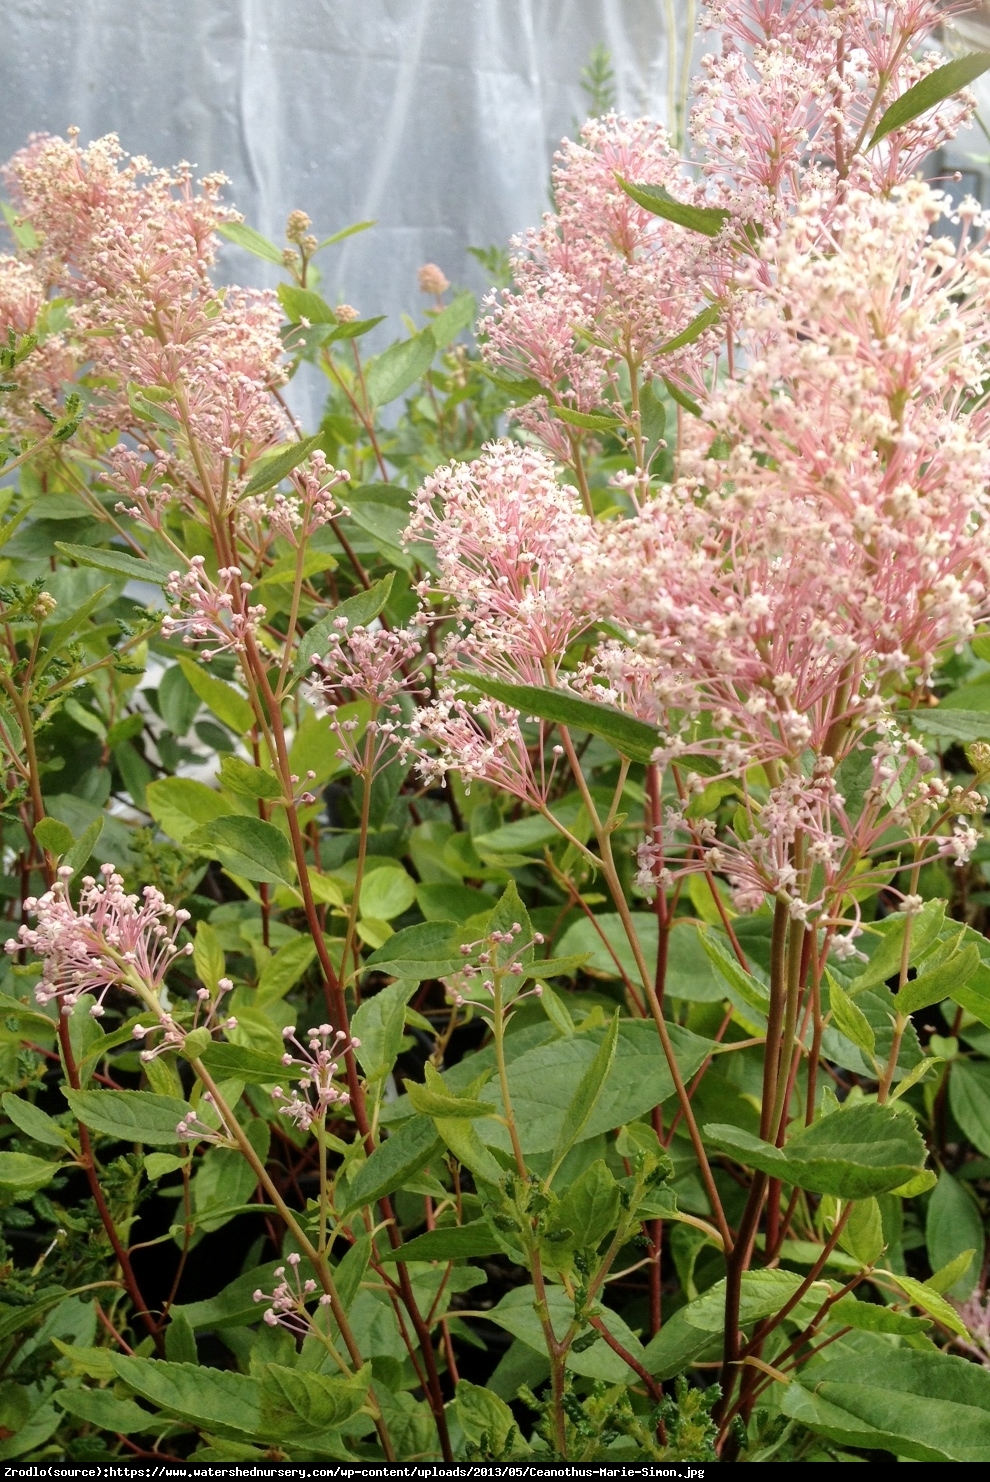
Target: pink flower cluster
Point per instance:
(319, 1062)
(40, 377)
(109, 940)
(131, 247)
(603, 282)
(203, 608)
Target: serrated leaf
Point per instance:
(130, 1116)
(181, 805)
(227, 1062)
(709, 220)
(283, 970)
(379, 1024)
(918, 1405)
(435, 1104)
(870, 1317)
(929, 1301)
(631, 737)
(849, 1018)
(681, 397)
(34, 1122)
(952, 725)
(104, 1410)
(460, 1136)
(215, 1398)
(930, 91)
(294, 1400)
(20, 1173)
(449, 1243)
(247, 781)
(273, 469)
(53, 836)
(858, 1151)
(359, 610)
(248, 847)
(395, 370)
(219, 697)
(418, 952)
(303, 303)
(457, 315)
(119, 562)
(885, 960)
(932, 987)
(396, 1159)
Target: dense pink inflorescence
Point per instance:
(131, 247)
(109, 940)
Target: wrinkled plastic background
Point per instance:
(437, 118)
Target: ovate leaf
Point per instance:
(395, 370)
(246, 846)
(130, 1116)
(273, 469)
(359, 610)
(119, 562)
(856, 1152)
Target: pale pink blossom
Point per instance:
(109, 940)
(206, 609)
(318, 1062)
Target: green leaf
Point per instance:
(750, 990)
(591, 1206)
(681, 397)
(870, 1317)
(592, 421)
(208, 957)
(345, 231)
(387, 893)
(709, 220)
(863, 1236)
(947, 1276)
(277, 466)
(953, 1226)
(21, 1174)
(180, 1340)
(180, 805)
(404, 1153)
(586, 1094)
(858, 1151)
(969, 1100)
(219, 697)
(633, 738)
(487, 1422)
(130, 1116)
(246, 846)
(931, 987)
(763, 1293)
(457, 315)
(885, 960)
(395, 370)
(460, 1136)
(235, 1306)
(247, 781)
(157, 1165)
(418, 952)
(849, 1018)
(241, 1063)
(103, 1409)
(952, 725)
(350, 1271)
(252, 241)
(516, 1313)
(693, 331)
(283, 970)
(119, 562)
(53, 836)
(379, 1024)
(448, 1243)
(35, 1123)
(929, 91)
(215, 1398)
(359, 610)
(435, 1104)
(303, 303)
(294, 1401)
(920, 1405)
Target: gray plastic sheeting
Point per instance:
(438, 118)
